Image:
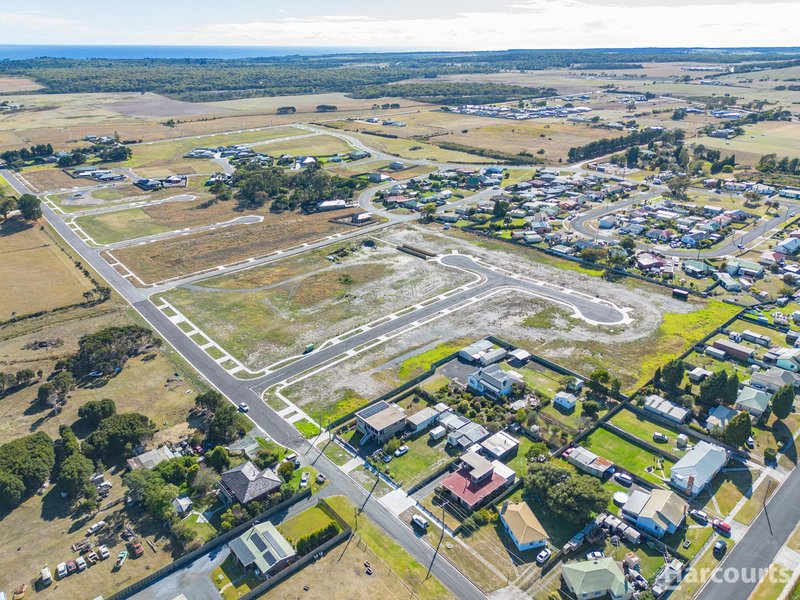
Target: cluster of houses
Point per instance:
(674, 223)
(523, 114)
(384, 122)
(153, 184)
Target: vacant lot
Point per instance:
(17, 84)
(193, 253)
(50, 278)
(273, 317)
(110, 227)
(315, 145)
(644, 429)
(45, 178)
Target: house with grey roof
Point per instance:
(695, 470)
(493, 382)
(661, 407)
(380, 421)
(247, 482)
(774, 378)
(753, 401)
(262, 549)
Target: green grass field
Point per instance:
(308, 521)
(644, 429)
(318, 145)
(628, 456)
(112, 227)
(423, 458)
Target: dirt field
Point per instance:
(659, 324)
(274, 311)
(17, 84)
(155, 105)
(192, 253)
(50, 278)
(49, 178)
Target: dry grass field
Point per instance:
(50, 278)
(779, 137)
(17, 84)
(317, 145)
(46, 178)
(193, 253)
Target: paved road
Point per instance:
(759, 545)
(242, 391)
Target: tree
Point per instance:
(712, 388)
(74, 475)
(564, 493)
(7, 204)
(500, 209)
(678, 186)
(224, 426)
(429, 210)
(118, 435)
(730, 391)
(11, 489)
(390, 446)
(30, 459)
(30, 207)
(95, 411)
(657, 376)
(219, 459)
(738, 429)
(598, 381)
(211, 400)
(286, 470)
(672, 373)
(783, 401)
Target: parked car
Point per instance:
(47, 579)
(720, 547)
(61, 570)
(138, 549)
(81, 563)
(293, 458)
(543, 556)
(751, 443)
(244, 407)
(71, 567)
(91, 557)
(420, 522)
(698, 515)
(320, 478)
(659, 437)
(623, 478)
(595, 555)
(95, 528)
(121, 557)
(102, 552)
(304, 480)
(721, 526)
(401, 450)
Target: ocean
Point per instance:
(14, 52)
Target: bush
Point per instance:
(311, 541)
(392, 445)
(770, 454)
(286, 470)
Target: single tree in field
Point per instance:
(783, 402)
(7, 204)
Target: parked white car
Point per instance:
(401, 450)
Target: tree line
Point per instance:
(454, 92)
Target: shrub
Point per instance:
(316, 538)
(770, 454)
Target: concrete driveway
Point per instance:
(193, 581)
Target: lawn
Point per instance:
(326, 412)
(205, 531)
(772, 583)
(643, 428)
(699, 573)
(375, 485)
(520, 463)
(424, 457)
(695, 534)
(412, 573)
(50, 277)
(574, 418)
(338, 455)
(306, 428)
(232, 581)
(308, 521)
(630, 457)
(727, 488)
(419, 363)
(750, 509)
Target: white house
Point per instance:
(659, 512)
(692, 473)
(565, 400)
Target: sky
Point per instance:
(405, 24)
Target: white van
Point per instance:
(419, 521)
(47, 579)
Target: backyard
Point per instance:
(632, 458)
